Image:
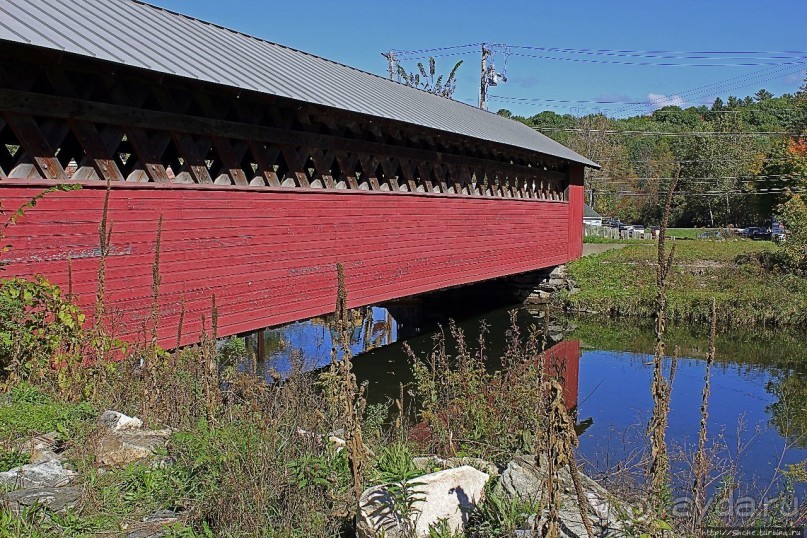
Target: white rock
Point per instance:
(449, 495)
(115, 422)
(48, 474)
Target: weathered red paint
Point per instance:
(269, 254)
(576, 195)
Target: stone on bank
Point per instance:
(450, 495)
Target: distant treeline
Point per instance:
(736, 159)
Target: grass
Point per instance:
(27, 410)
(257, 463)
(622, 283)
(687, 233)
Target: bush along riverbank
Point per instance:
(215, 451)
(750, 283)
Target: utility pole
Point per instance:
(483, 85)
(390, 56)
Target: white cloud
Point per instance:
(796, 78)
(659, 100)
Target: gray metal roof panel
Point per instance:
(141, 35)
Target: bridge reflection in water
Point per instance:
(377, 338)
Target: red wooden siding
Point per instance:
(576, 196)
(269, 255)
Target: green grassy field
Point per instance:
(687, 233)
(623, 283)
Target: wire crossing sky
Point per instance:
(620, 58)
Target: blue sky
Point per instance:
(355, 32)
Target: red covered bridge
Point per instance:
(267, 165)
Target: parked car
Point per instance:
(638, 228)
(753, 232)
(760, 234)
(778, 232)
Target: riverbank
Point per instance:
(222, 452)
(217, 451)
(622, 283)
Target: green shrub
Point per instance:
(39, 328)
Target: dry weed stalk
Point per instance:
(558, 445)
(210, 374)
(151, 387)
(350, 397)
(105, 238)
(70, 278)
(700, 464)
(181, 320)
(658, 466)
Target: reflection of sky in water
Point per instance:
(311, 341)
(615, 392)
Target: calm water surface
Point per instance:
(757, 410)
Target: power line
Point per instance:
(435, 49)
(627, 53)
(701, 194)
(674, 134)
(540, 101)
(696, 54)
(778, 178)
(735, 82)
(765, 160)
(651, 64)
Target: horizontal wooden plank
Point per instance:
(270, 258)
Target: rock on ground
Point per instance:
(115, 422)
(524, 479)
(48, 474)
(129, 446)
(41, 448)
(126, 441)
(449, 495)
(55, 499)
(154, 525)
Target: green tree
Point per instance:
(763, 95)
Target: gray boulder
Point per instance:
(524, 478)
(126, 441)
(41, 448)
(449, 495)
(48, 474)
(129, 446)
(56, 499)
(154, 525)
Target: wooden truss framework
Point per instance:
(76, 119)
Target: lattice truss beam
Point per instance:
(63, 123)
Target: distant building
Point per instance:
(591, 217)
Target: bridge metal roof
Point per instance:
(141, 35)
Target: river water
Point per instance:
(757, 410)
